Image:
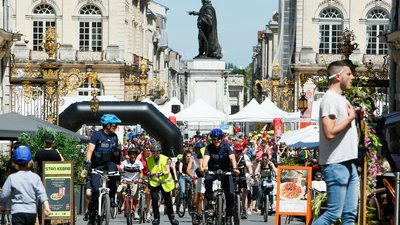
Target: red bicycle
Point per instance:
(129, 205)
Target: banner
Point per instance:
(277, 127)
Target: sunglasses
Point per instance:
(156, 152)
(214, 139)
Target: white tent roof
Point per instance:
(200, 111)
(162, 110)
(306, 137)
(174, 101)
(252, 112)
(269, 107)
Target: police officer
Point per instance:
(160, 180)
(219, 156)
(102, 154)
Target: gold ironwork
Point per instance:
(41, 88)
(346, 47)
(50, 45)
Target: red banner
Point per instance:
(277, 127)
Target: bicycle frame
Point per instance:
(104, 177)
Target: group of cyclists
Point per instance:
(200, 165)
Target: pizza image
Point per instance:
(56, 196)
(291, 190)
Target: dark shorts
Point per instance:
(254, 194)
(23, 219)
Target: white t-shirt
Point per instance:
(344, 146)
(319, 185)
(131, 176)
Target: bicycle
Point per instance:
(6, 218)
(237, 200)
(187, 201)
(266, 186)
(219, 203)
(114, 209)
(104, 210)
(128, 204)
(142, 202)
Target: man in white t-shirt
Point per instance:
(133, 174)
(338, 147)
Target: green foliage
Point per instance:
(3, 167)
(237, 71)
(67, 146)
(316, 204)
(360, 95)
(290, 161)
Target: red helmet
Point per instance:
(238, 147)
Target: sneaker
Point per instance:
(156, 222)
(244, 215)
(86, 217)
(113, 204)
(249, 212)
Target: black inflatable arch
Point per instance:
(152, 120)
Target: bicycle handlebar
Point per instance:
(106, 173)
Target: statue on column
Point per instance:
(208, 37)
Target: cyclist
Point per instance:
(102, 154)
(198, 156)
(219, 156)
(245, 167)
(265, 170)
(160, 180)
(133, 169)
(185, 174)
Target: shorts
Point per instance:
(124, 186)
(88, 182)
(254, 193)
(200, 187)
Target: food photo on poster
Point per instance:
(293, 190)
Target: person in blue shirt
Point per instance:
(102, 154)
(24, 188)
(219, 156)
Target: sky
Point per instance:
(238, 24)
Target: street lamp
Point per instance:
(303, 102)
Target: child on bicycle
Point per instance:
(24, 188)
(133, 172)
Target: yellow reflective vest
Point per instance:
(165, 180)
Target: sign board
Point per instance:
(293, 195)
(58, 181)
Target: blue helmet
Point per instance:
(22, 155)
(199, 145)
(217, 133)
(109, 119)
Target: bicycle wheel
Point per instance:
(236, 215)
(181, 207)
(114, 210)
(189, 201)
(142, 208)
(220, 212)
(105, 210)
(128, 209)
(266, 207)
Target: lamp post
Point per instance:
(303, 101)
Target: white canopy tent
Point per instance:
(168, 106)
(252, 112)
(268, 106)
(200, 111)
(305, 137)
(162, 110)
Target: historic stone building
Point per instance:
(310, 32)
(108, 37)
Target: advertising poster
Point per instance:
(293, 197)
(58, 182)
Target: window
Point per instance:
(330, 30)
(90, 29)
(377, 22)
(86, 89)
(44, 16)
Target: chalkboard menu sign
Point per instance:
(58, 181)
(293, 196)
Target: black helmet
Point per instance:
(133, 150)
(156, 146)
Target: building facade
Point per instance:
(315, 36)
(108, 37)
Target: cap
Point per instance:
(22, 155)
(49, 137)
